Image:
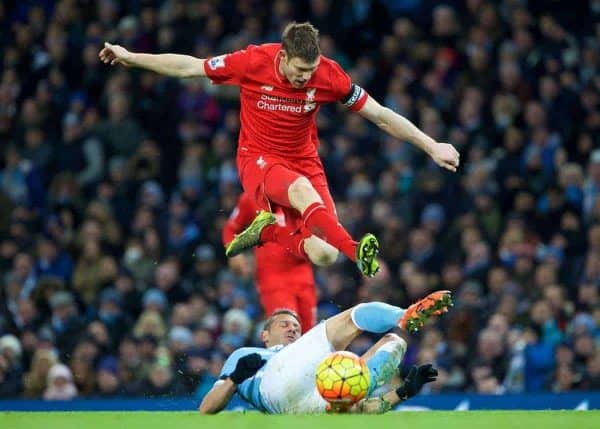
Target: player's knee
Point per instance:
(397, 341)
(301, 194)
(323, 256)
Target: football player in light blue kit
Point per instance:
(280, 378)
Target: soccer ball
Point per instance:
(343, 379)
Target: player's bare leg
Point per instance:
(302, 194)
(319, 251)
(341, 330)
(387, 338)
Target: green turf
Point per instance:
(402, 420)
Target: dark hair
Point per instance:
(276, 313)
(302, 41)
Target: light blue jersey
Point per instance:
(249, 389)
(286, 383)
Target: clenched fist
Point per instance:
(446, 156)
(416, 378)
(246, 367)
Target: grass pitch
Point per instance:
(400, 420)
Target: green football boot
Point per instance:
(366, 254)
(250, 237)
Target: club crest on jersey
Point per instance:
(216, 62)
(310, 100)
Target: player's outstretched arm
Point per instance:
(218, 397)
(174, 65)
(443, 154)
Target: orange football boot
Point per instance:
(416, 315)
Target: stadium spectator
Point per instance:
(11, 373)
(107, 379)
(35, 381)
(60, 384)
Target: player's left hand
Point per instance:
(446, 156)
(416, 378)
(246, 367)
(115, 54)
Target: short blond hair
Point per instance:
(301, 41)
(276, 313)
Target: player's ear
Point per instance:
(283, 55)
(264, 336)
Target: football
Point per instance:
(343, 379)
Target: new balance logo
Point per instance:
(261, 162)
(267, 87)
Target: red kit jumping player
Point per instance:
(283, 280)
(282, 86)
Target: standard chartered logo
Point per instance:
(272, 103)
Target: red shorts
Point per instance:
(302, 301)
(285, 281)
(254, 167)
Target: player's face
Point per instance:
(297, 71)
(284, 330)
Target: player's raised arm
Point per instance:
(443, 154)
(175, 65)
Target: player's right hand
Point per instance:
(446, 156)
(416, 378)
(114, 54)
(246, 367)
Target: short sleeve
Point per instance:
(232, 360)
(349, 94)
(229, 365)
(228, 68)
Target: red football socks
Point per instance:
(324, 224)
(290, 239)
(317, 218)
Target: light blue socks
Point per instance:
(384, 364)
(376, 317)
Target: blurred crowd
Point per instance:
(115, 184)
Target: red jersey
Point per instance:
(275, 117)
(275, 267)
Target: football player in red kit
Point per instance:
(282, 86)
(283, 280)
